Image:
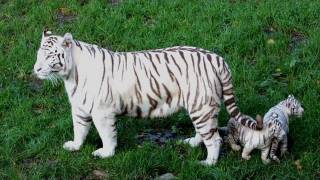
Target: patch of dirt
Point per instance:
(115, 2)
(65, 15)
(296, 39)
(35, 84)
(38, 108)
(97, 174)
(30, 162)
(83, 2)
(158, 137)
(269, 30)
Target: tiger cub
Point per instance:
(280, 114)
(102, 84)
(275, 130)
(252, 139)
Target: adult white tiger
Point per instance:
(102, 84)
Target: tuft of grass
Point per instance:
(272, 47)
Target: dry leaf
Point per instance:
(271, 42)
(65, 11)
(298, 164)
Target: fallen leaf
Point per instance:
(65, 11)
(271, 42)
(298, 165)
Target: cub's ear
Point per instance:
(67, 41)
(290, 96)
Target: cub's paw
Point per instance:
(207, 162)
(235, 147)
(266, 161)
(71, 146)
(103, 153)
(246, 157)
(276, 159)
(193, 142)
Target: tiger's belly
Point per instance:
(161, 110)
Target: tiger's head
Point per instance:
(293, 107)
(54, 56)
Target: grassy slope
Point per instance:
(35, 118)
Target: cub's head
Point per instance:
(54, 56)
(293, 106)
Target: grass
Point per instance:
(272, 46)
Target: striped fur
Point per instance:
(274, 132)
(252, 139)
(102, 84)
(280, 114)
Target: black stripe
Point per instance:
(154, 66)
(169, 98)
(138, 81)
(229, 101)
(184, 59)
(176, 64)
(76, 81)
(166, 57)
(199, 60)
(104, 69)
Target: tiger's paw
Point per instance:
(246, 157)
(71, 146)
(208, 162)
(193, 142)
(276, 159)
(235, 147)
(265, 161)
(103, 153)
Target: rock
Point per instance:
(167, 176)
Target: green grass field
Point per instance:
(273, 48)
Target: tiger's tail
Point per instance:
(229, 98)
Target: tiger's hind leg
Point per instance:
(206, 124)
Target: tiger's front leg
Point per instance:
(106, 127)
(81, 126)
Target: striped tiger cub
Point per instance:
(274, 132)
(251, 139)
(102, 84)
(280, 113)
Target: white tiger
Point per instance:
(280, 113)
(102, 84)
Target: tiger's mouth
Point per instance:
(42, 75)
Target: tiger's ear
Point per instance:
(67, 41)
(290, 96)
(46, 32)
